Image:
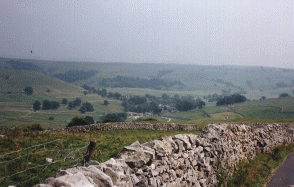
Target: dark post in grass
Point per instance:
(90, 150)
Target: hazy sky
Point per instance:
(212, 32)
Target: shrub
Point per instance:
(118, 117)
(76, 102)
(284, 95)
(86, 107)
(35, 127)
(46, 105)
(28, 90)
(78, 121)
(106, 102)
(227, 100)
(36, 105)
(109, 120)
(89, 119)
(64, 101)
(149, 119)
(54, 104)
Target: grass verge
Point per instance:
(258, 171)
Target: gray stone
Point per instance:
(180, 160)
(49, 160)
(49, 180)
(92, 163)
(43, 185)
(72, 180)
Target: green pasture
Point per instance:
(212, 109)
(225, 115)
(265, 113)
(17, 80)
(186, 116)
(12, 114)
(13, 106)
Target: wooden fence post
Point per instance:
(90, 150)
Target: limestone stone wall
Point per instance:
(126, 126)
(180, 160)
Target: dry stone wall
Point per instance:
(126, 126)
(180, 160)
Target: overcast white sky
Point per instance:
(212, 32)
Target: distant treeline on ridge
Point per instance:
(132, 82)
(75, 75)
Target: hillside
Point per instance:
(16, 80)
(16, 107)
(197, 80)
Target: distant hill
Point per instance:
(15, 81)
(200, 78)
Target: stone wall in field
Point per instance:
(127, 126)
(180, 160)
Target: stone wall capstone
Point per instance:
(127, 126)
(179, 160)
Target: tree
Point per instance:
(104, 93)
(78, 121)
(227, 100)
(86, 107)
(110, 95)
(200, 104)
(106, 102)
(64, 101)
(36, 105)
(284, 95)
(186, 105)
(83, 109)
(54, 105)
(70, 105)
(165, 96)
(77, 102)
(117, 95)
(114, 117)
(46, 105)
(28, 90)
(90, 119)
(263, 98)
(154, 107)
(136, 100)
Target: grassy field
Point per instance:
(266, 109)
(17, 139)
(186, 116)
(17, 110)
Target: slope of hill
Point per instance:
(199, 80)
(16, 80)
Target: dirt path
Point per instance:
(284, 175)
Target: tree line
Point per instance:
(47, 105)
(136, 82)
(228, 100)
